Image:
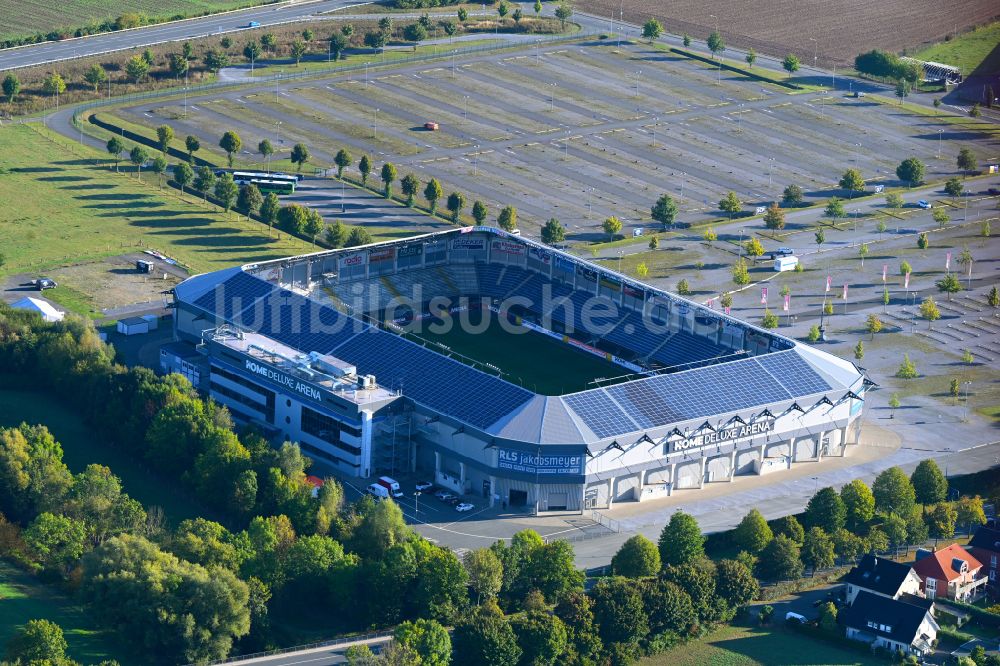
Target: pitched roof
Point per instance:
(986, 538)
(895, 619)
(945, 564)
(44, 308)
(878, 574)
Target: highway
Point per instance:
(47, 52)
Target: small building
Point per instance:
(183, 359)
(316, 484)
(951, 573)
(133, 326)
(985, 547)
(47, 311)
(143, 266)
(904, 625)
(883, 577)
(152, 320)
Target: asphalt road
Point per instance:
(38, 54)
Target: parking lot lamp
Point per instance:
(815, 51)
(366, 76)
(375, 136)
(967, 385)
(940, 132)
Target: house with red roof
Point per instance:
(950, 573)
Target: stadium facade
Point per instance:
(311, 349)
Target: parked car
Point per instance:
(781, 252)
(431, 126)
(464, 506)
(441, 493)
(423, 486)
(253, 24)
(993, 191)
(44, 283)
(924, 204)
(453, 500)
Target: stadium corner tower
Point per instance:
(343, 352)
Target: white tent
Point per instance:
(44, 308)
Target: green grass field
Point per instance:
(81, 447)
(534, 360)
(967, 51)
(23, 18)
(735, 645)
(71, 210)
(23, 598)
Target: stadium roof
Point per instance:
(499, 408)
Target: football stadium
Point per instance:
(507, 370)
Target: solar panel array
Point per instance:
(717, 389)
(301, 323)
(235, 294)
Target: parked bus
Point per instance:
(268, 185)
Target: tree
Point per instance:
(730, 204)
(974, 111)
(751, 58)
(57, 542)
(993, 298)
(178, 65)
(138, 157)
(159, 167)
(774, 218)
(563, 12)
(715, 43)
(11, 86)
(907, 369)
(753, 248)
(553, 232)
(893, 405)
(792, 196)
(652, 29)
(343, 160)
(753, 533)
(388, 175)
(967, 357)
(450, 27)
(95, 76)
(790, 63)
(637, 558)
(336, 234)
(538, 8)
(911, 171)
(893, 492)
(790, 527)
(541, 637)
(967, 160)
(115, 148)
(611, 226)
(780, 560)
(969, 512)
(686, 40)
(817, 550)
(204, 181)
(949, 284)
(455, 203)
(154, 599)
(828, 618)
(231, 143)
(825, 510)
(873, 325)
(922, 241)
(903, 88)
(300, 155)
(183, 174)
(38, 642)
(193, 145)
(409, 185)
(741, 275)
(268, 41)
(940, 216)
(485, 638)
(953, 388)
(376, 39)
(894, 200)
(503, 9)
(358, 236)
(859, 351)
(814, 334)
(641, 269)
(338, 44)
(929, 484)
(709, 236)
(953, 187)
(269, 210)
(226, 191)
(432, 192)
(136, 68)
(619, 611)
(252, 52)
(769, 320)
(507, 218)
(852, 181)
(681, 540)
(735, 583)
(820, 237)
(941, 522)
(485, 573)
(664, 211)
(835, 209)
(365, 167)
(859, 504)
(415, 32)
(463, 14)
(164, 135)
(929, 310)
(298, 50)
(428, 640)
(683, 288)
(250, 200)
(266, 150)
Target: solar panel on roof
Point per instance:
(600, 413)
(233, 295)
(791, 370)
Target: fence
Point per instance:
(357, 638)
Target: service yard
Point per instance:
(583, 131)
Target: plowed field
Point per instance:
(776, 27)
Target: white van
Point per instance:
(782, 264)
(378, 491)
(795, 616)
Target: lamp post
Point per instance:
(967, 385)
(366, 76)
(375, 126)
(815, 51)
(637, 73)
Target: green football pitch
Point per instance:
(533, 360)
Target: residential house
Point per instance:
(985, 547)
(904, 625)
(950, 573)
(883, 577)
